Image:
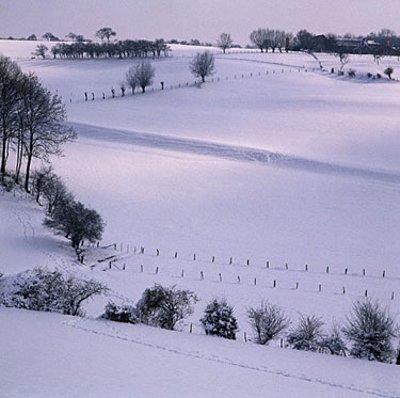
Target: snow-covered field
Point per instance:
(272, 160)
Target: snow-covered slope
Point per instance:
(48, 355)
(293, 166)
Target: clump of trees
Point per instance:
(32, 120)
(159, 306)
(203, 65)
(43, 290)
(219, 320)
(32, 126)
(141, 74)
(273, 39)
(106, 49)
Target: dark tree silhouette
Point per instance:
(105, 33)
(76, 223)
(224, 41)
(45, 130)
(10, 76)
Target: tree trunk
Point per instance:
(3, 154)
(203, 79)
(28, 172)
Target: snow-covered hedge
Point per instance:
(43, 290)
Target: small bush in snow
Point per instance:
(122, 313)
(8, 183)
(369, 75)
(371, 330)
(164, 306)
(351, 73)
(44, 290)
(218, 320)
(268, 322)
(388, 72)
(378, 76)
(333, 343)
(308, 333)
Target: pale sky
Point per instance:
(187, 19)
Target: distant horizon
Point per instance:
(186, 19)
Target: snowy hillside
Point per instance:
(272, 181)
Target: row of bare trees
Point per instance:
(32, 121)
(106, 49)
(270, 38)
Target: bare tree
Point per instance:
(45, 130)
(131, 79)
(10, 76)
(268, 321)
(224, 41)
(143, 73)
(343, 58)
(259, 38)
(40, 51)
(203, 65)
(105, 33)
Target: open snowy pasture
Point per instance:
(90, 358)
(272, 181)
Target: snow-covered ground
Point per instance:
(271, 161)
